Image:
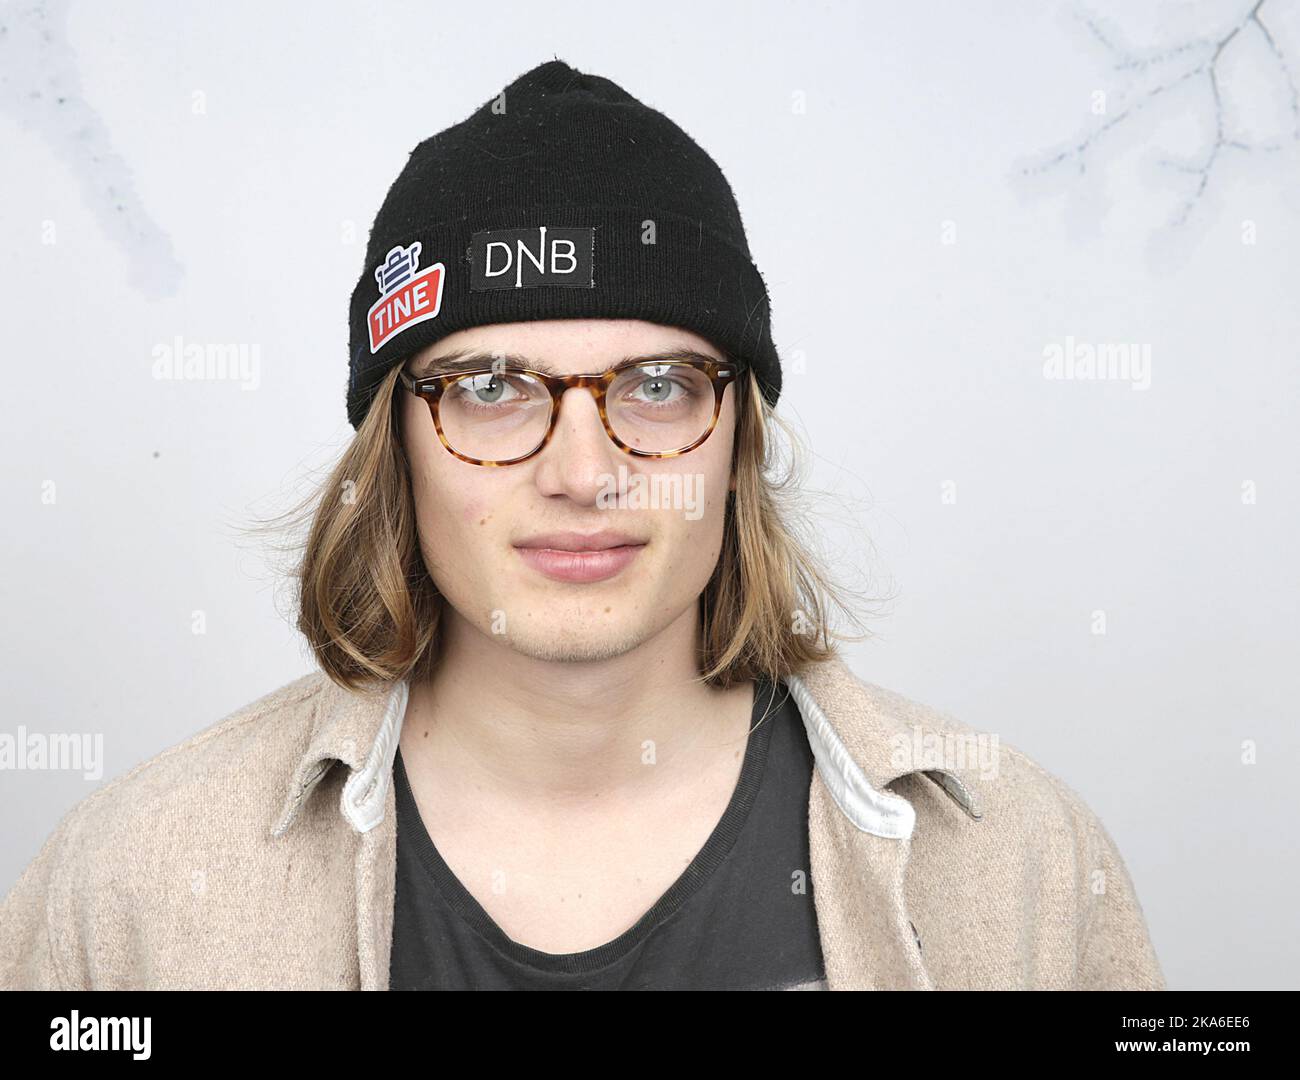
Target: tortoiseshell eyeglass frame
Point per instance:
(431, 388)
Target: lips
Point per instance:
(578, 558)
(575, 541)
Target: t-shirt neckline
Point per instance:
(713, 852)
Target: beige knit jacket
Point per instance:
(260, 853)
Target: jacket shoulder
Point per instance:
(1002, 778)
(253, 737)
(120, 841)
(908, 739)
(1034, 832)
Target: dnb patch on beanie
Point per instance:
(561, 197)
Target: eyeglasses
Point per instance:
(504, 415)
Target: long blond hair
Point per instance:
(367, 605)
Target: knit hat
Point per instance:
(561, 197)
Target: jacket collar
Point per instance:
(861, 736)
(360, 730)
(865, 737)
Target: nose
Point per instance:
(580, 454)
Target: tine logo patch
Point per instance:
(528, 258)
(405, 296)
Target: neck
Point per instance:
(565, 733)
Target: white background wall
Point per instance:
(212, 172)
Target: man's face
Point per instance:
(475, 522)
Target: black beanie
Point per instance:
(562, 197)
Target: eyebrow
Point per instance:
(469, 359)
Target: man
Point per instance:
(579, 722)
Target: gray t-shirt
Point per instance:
(740, 916)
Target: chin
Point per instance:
(559, 647)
